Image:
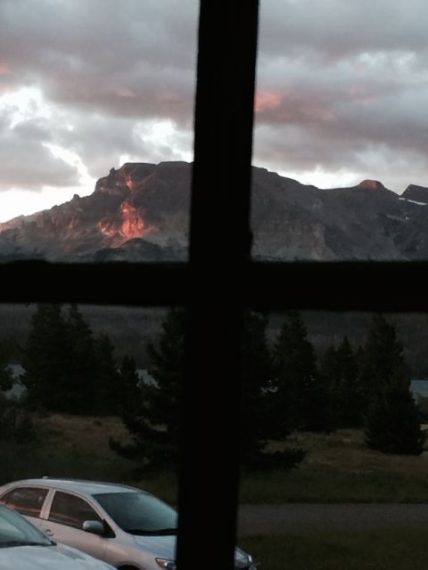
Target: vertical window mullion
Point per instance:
(219, 250)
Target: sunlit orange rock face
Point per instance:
(128, 225)
(133, 225)
(129, 182)
(371, 184)
(148, 201)
(134, 203)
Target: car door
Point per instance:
(63, 523)
(28, 501)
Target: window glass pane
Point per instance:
(91, 392)
(334, 449)
(27, 501)
(96, 129)
(340, 132)
(71, 511)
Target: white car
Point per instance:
(124, 526)
(24, 547)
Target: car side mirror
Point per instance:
(94, 527)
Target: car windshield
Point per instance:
(16, 531)
(139, 513)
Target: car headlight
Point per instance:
(243, 559)
(166, 564)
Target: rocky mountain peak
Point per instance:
(124, 179)
(371, 184)
(140, 212)
(416, 193)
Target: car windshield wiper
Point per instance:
(157, 532)
(10, 543)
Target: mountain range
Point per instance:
(140, 212)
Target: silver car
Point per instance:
(22, 546)
(124, 526)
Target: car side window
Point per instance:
(27, 501)
(71, 511)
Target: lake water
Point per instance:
(419, 387)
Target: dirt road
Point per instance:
(267, 519)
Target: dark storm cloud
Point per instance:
(337, 29)
(342, 84)
(103, 67)
(102, 140)
(130, 58)
(26, 161)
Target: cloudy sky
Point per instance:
(85, 85)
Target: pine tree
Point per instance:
(259, 416)
(155, 424)
(302, 397)
(47, 360)
(66, 368)
(106, 377)
(82, 368)
(392, 419)
(339, 368)
(130, 391)
(5, 373)
(382, 362)
(5, 384)
(393, 423)
(154, 420)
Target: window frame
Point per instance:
(218, 282)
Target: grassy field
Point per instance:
(340, 468)
(337, 467)
(75, 446)
(376, 550)
(66, 446)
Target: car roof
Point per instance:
(82, 486)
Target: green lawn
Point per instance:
(337, 467)
(340, 468)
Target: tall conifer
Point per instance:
(392, 419)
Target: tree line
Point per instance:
(67, 369)
(286, 385)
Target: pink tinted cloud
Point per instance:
(266, 100)
(288, 107)
(360, 94)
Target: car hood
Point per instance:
(48, 558)
(164, 547)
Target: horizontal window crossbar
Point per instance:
(341, 286)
